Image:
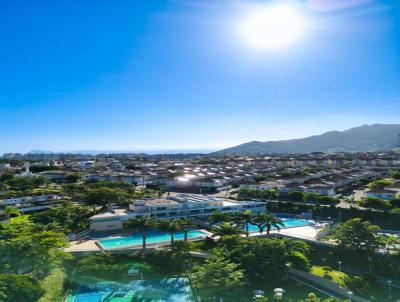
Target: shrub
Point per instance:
(356, 284)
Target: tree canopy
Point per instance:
(357, 235)
(21, 288)
(217, 274)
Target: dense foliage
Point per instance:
(217, 273)
(28, 252)
(357, 235)
(21, 288)
(69, 218)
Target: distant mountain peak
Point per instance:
(375, 137)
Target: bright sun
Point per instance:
(273, 27)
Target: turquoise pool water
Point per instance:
(152, 237)
(288, 222)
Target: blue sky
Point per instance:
(156, 75)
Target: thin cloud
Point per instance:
(333, 5)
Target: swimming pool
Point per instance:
(152, 237)
(288, 222)
(165, 290)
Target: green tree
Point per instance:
(185, 225)
(267, 221)
(357, 235)
(7, 176)
(20, 183)
(314, 298)
(217, 217)
(217, 274)
(260, 258)
(171, 226)
(143, 223)
(10, 211)
(226, 229)
(68, 218)
(380, 184)
(296, 195)
(388, 241)
(103, 196)
(246, 217)
(72, 177)
(297, 253)
(101, 263)
(395, 174)
(19, 288)
(30, 249)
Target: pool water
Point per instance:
(288, 222)
(165, 290)
(152, 237)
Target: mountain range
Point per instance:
(376, 137)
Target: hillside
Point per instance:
(377, 137)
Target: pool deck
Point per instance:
(302, 232)
(308, 232)
(92, 245)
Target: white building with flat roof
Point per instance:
(180, 206)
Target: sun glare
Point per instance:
(273, 27)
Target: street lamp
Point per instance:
(350, 295)
(340, 265)
(390, 288)
(279, 293)
(287, 270)
(370, 265)
(258, 294)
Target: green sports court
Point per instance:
(155, 290)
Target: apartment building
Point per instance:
(183, 205)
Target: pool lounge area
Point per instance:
(294, 227)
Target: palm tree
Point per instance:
(267, 221)
(226, 229)
(349, 200)
(11, 211)
(143, 224)
(217, 217)
(389, 241)
(170, 226)
(186, 224)
(246, 217)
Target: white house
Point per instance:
(320, 189)
(382, 194)
(184, 205)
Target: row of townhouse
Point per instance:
(324, 183)
(22, 201)
(321, 160)
(180, 206)
(129, 178)
(387, 193)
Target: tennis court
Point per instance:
(160, 290)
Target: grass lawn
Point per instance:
(22, 218)
(53, 285)
(375, 291)
(335, 276)
(293, 292)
